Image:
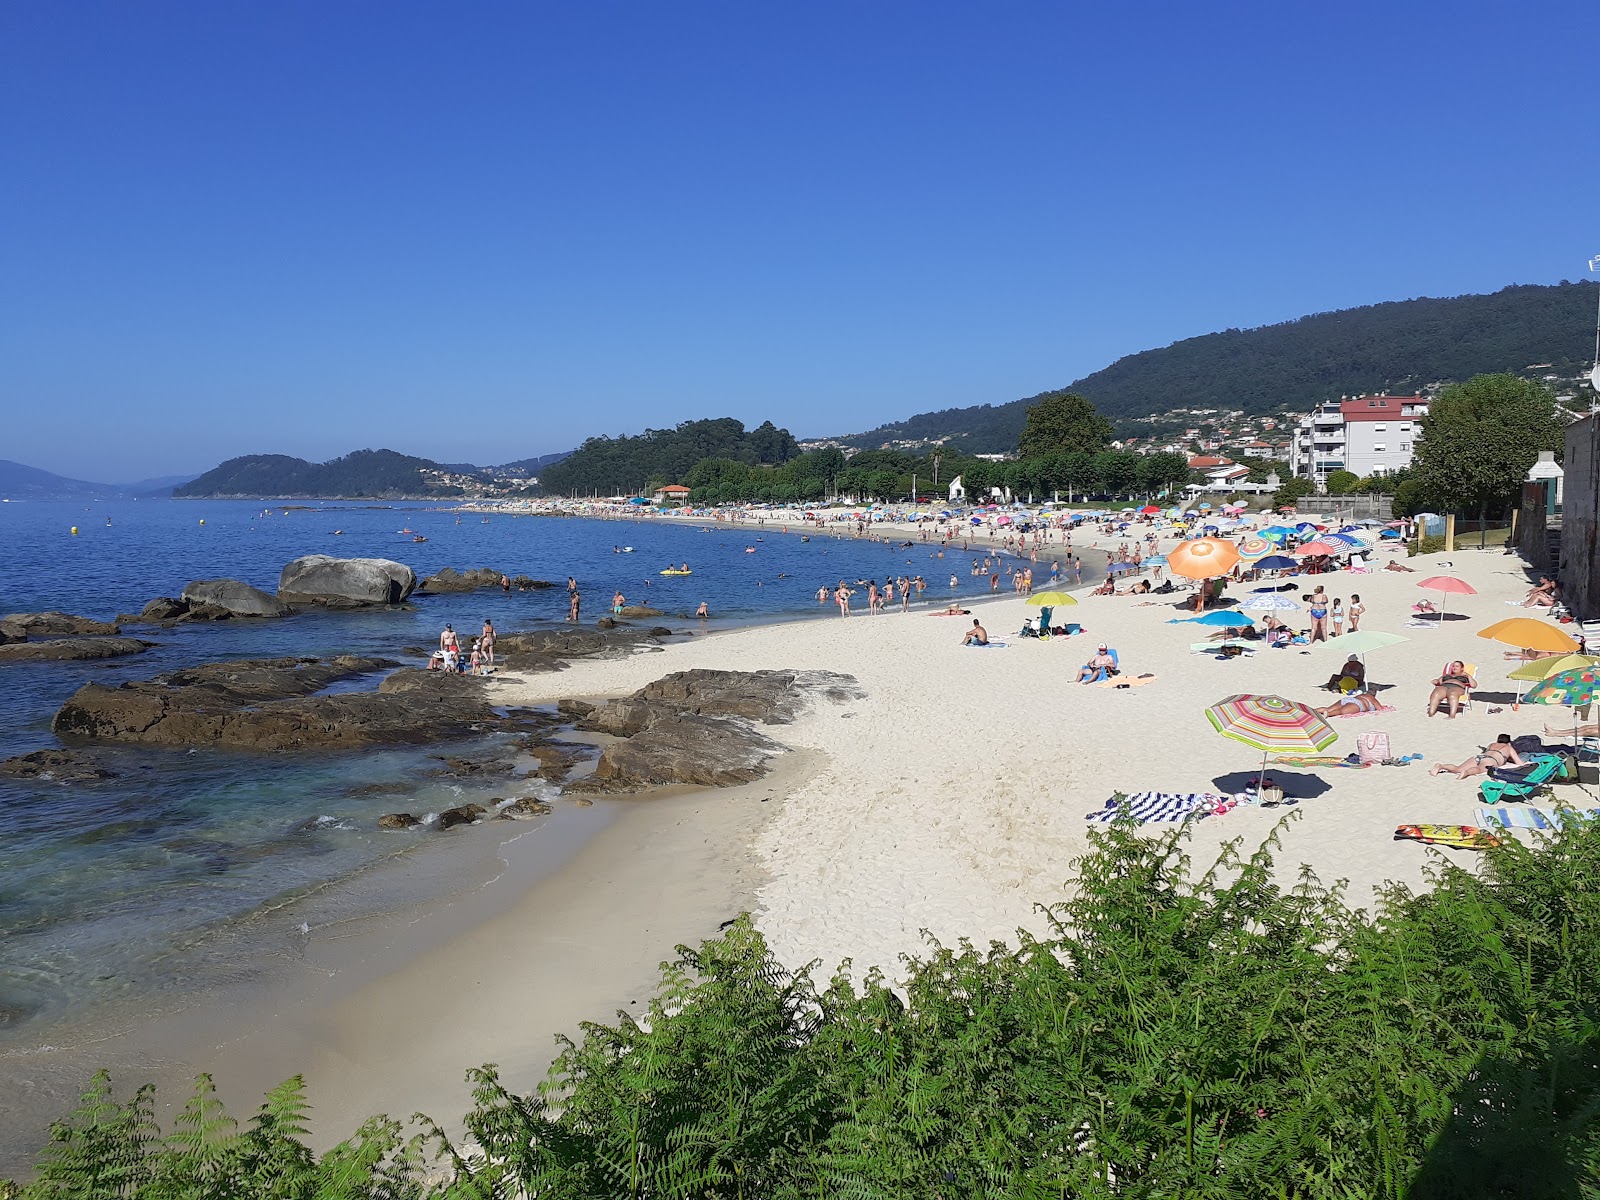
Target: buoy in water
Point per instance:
(74, 531)
(202, 520)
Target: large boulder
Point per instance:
(685, 749)
(21, 626)
(318, 579)
(234, 597)
(85, 649)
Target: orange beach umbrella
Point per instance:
(1202, 558)
(1529, 634)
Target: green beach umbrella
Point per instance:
(1575, 688)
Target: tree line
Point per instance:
(1169, 1032)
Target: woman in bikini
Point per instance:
(1497, 755)
(1450, 689)
(1318, 602)
(1350, 706)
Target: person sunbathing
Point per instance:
(1527, 654)
(1569, 731)
(1350, 706)
(1541, 596)
(1424, 606)
(1139, 589)
(1108, 588)
(1450, 689)
(1351, 677)
(1394, 566)
(1497, 755)
(976, 636)
(1102, 661)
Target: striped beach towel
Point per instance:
(1148, 807)
(1526, 816)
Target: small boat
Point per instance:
(675, 571)
(406, 531)
(419, 538)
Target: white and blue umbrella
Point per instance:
(1269, 602)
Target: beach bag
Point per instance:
(1373, 746)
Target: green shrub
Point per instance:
(1170, 1035)
(1432, 543)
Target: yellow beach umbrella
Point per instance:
(1529, 634)
(1543, 668)
(1052, 599)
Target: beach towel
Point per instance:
(1456, 837)
(1148, 807)
(1517, 816)
(1125, 681)
(991, 644)
(1213, 647)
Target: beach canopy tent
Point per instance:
(1271, 724)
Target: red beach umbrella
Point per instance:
(1448, 585)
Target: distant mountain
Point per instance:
(360, 474)
(1396, 346)
(21, 482)
(530, 466)
(159, 485)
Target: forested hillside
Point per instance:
(376, 473)
(610, 466)
(1394, 346)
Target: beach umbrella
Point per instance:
(1202, 558)
(1269, 602)
(1276, 562)
(1575, 688)
(1050, 599)
(1118, 567)
(1321, 547)
(1539, 669)
(1526, 633)
(1149, 510)
(1155, 560)
(1253, 545)
(1306, 527)
(1271, 723)
(1360, 642)
(1447, 585)
(1220, 616)
(1344, 539)
(1277, 533)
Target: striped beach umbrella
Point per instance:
(1271, 723)
(1253, 545)
(1269, 602)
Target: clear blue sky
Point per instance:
(482, 231)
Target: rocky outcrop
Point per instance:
(164, 608)
(28, 626)
(58, 766)
(452, 580)
(233, 597)
(268, 705)
(397, 821)
(636, 612)
(463, 814)
(523, 584)
(695, 727)
(343, 583)
(74, 649)
(549, 649)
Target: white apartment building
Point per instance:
(1366, 435)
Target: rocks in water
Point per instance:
(398, 821)
(462, 814)
(72, 649)
(556, 759)
(607, 623)
(61, 766)
(574, 708)
(694, 727)
(343, 583)
(164, 608)
(452, 580)
(528, 806)
(230, 596)
(638, 611)
(268, 705)
(28, 626)
(523, 584)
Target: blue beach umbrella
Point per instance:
(1276, 562)
(1277, 533)
(1155, 560)
(1117, 567)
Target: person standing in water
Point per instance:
(573, 602)
(702, 612)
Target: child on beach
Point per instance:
(1355, 610)
(1336, 616)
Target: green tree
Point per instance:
(1063, 423)
(1479, 439)
(1342, 483)
(1158, 471)
(1291, 490)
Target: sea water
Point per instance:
(148, 886)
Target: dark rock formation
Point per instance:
(548, 649)
(694, 727)
(164, 608)
(328, 582)
(452, 580)
(233, 597)
(397, 821)
(60, 766)
(523, 584)
(527, 806)
(20, 626)
(73, 649)
(462, 814)
(639, 611)
(268, 705)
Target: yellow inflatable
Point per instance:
(669, 572)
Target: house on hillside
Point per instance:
(672, 493)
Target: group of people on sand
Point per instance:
(448, 657)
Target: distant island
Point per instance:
(362, 475)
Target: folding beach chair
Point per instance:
(1103, 674)
(1545, 768)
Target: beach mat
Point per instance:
(1527, 816)
(1456, 837)
(1149, 807)
(1118, 681)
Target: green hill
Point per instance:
(1397, 346)
(608, 466)
(362, 473)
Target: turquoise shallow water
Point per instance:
(106, 889)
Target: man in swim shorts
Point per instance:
(977, 635)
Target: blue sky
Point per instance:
(481, 231)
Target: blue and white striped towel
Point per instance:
(1519, 816)
(1147, 807)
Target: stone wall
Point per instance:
(1580, 516)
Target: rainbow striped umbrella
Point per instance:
(1253, 545)
(1271, 723)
